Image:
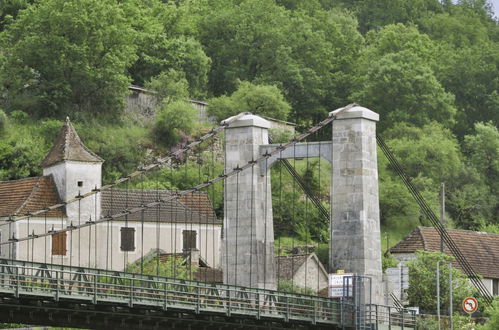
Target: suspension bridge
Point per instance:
(80, 254)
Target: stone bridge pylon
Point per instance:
(355, 243)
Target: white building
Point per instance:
(480, 249)
(70, 169)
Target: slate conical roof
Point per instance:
(68, 146)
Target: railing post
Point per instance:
(228, 302)
(376, 316)
(165, 300)
(198, 302)
(130, 303)
(389, 318)
(95, 289)
(402, 318)
(287, 309)
(315, 312)
(17, 282)
(56, 285)
(258, 311)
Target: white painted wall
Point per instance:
(66, 176)
(104, 252)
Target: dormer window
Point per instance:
(80, 183)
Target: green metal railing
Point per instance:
(58, 282)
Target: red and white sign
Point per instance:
(470, 305)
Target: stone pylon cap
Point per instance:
(248, 119)
(356, 112)
(68, 146)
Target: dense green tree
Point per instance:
(67, 57)
(265, 100)
(172, 120)
(423, 282)
(9, 10)
(309, 58)
(473, 77)
(401, 87)
(482, 149)
(493, 313)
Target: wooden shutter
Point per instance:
(189, 237)
(127, 239)
(59, 244)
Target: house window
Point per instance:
(80, 183)
(59, 244)
(189, 237)
(127, 239)
(495, 287)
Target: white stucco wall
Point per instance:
(66, 177)
(104, 252)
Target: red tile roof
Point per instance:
(480, 249)
(191, 208)
(19, 197)
(68, 146)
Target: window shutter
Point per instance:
(189, 237)
(59, 244)
(127, 239)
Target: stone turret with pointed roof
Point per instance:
(75, 169)
(68, 146)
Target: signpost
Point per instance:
(336, 287)
(470, 305)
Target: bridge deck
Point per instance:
(48, 282)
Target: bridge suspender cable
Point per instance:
(428, 212)
(178, 194)
(141, 170)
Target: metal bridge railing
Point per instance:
(96, 286)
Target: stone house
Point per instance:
(304, 270)
(70, 168)
(480, 249)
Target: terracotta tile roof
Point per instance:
(19, 197)
(480, 249)
(191, 208)
(68, 146)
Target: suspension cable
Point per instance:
(428, 212)
(139, 171)
(332, 116)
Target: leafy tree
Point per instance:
(473, 77)
(172, 120)
(164, 43)
(309, 58)
(482, 149)
(375, 14)
(3, 122)
(68, 56)
(423, 282)
(403, 88)
(169, 86)
(493, 314)
(9, 10)
(173, 267)
(265, 100)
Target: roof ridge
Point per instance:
(423, 238)
(22, 179)
(30, 195)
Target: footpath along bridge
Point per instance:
(60, 267)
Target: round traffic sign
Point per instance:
(470, 305)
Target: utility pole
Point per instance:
(442, 213)
(438, 294)
(450, 296)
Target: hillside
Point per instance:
(430, 69)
